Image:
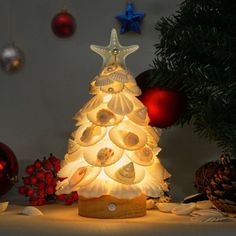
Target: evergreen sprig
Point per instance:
(196, 54)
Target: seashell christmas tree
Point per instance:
(112, 156)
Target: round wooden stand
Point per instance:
(108, 207)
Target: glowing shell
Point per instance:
(102, 116)
(139, 116)
(102, 80)
(119, 77)
(152, 136)
(143, 156)
(84, 175)
(128, 136)
(72, 146)
(104, 153)
(120, 104)
(92, 103)
(133, 89)
(113, 88)
(128, 173)
(89, 134)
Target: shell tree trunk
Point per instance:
(112, 155)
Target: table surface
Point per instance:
(64, 220)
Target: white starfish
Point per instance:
(114, 52)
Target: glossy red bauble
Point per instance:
(8, 169)
(164, 106)
(63, 24)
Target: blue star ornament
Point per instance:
(130, 20)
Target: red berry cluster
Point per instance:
(40, 184)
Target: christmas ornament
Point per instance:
(40, 182)
(63, 24)
(130, 20)
(112, 158)
(221, 189)
(11, 58)
(203, 176)
(8, 169)
(164, 106)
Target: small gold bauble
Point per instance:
(115, 51)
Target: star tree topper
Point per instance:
(130, 20)
(114, 52)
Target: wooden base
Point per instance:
(108, 207)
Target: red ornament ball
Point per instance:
(63, 24)
(8, 169)
(164, 106)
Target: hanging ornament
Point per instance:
(8, 169)
(164, 106)
(11, 58)
(63, 24)
(130, 20)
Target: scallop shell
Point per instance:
(119, 77)
(89, 134)
(3, 206)
(157, 171)
(120, 104)
(139, 116)
(184, 209)
(102, 81)
(114, 87)
(103, 153)
(95, 189)
(166, 206)
(127, 173)
(72, 146)
(133, 89)
(92, 103)
(152, 136)
(102, 116)
(31, 211)
(143, 156)
(128, 136)
(202, 205)
(208, 216)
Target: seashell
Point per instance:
(204, 205)
(128, 173)
(152, 187)
(119, 77)
(120, 104)
(128, 136)
(81, 118)
(115, 87)
(102, 81)
(152, 136)
(93, 89)
(110, 69)
(89, 134)
(166, 206)
(92, 103)
(103, 153)
(72, 157)
(157, 171)
(123, 191)
(102, 116)
(3, 206)
(139, 116)
(143, 156)
(208, 216)
(81, 177)
(184, 209)
(150, 204)
(72, 146)
(31, 211)
(133, 89)
(95, 189)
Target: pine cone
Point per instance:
(221, 189)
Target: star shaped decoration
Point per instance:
(130, 20)
(114, 52)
